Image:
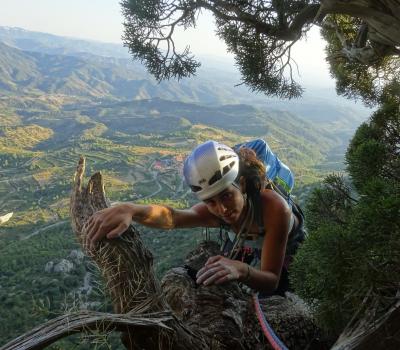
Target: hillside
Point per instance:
(56, 45)
(215, 83)
(23, 72)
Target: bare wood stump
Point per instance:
(127, 267)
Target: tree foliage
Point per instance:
(354, 243)
(363, 39)
(375, 148)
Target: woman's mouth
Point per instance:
(227, 216)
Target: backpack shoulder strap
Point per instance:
(258, 213)
(271, 185)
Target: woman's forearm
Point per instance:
(263, 281)
(114, 221)
(157, 216)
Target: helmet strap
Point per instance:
(235, 184)
(240, 182)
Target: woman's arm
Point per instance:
(277, 216)
(112, 222)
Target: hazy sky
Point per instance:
(102, 20)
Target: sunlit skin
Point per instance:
(229, 206)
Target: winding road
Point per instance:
(42, 229)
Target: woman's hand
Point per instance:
(109, 222)
(219, 269)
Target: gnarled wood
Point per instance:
(381, 16)
(127, 267)
(126, 264)
(86, 321)
(372, 334)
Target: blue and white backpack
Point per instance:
(276, 171)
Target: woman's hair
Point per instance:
(252, 169)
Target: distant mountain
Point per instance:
(213, 67)
(57, 45)
(97, 70)
(327, 110)
(241, 119)
(97, 77)
(29, 72)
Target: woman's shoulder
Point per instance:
(276, 213)
(273, 201)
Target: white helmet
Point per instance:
(210, 168)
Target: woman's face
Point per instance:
(227, 205)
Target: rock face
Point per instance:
(76, 255)
(64, 266)
(5, 218)
(49, 267)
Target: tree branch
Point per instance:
(127, 267)
(306, 15)
(86, 322)
(385, 24)
(383, 333)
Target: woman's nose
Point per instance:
(221, 208)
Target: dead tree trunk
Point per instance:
(127, 267)
(86, 321)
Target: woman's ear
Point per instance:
(242, 183)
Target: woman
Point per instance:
(232, 192)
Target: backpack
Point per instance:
(278, 175)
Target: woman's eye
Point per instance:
(227, 196)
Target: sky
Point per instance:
(102, 20)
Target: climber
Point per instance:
(262, 230)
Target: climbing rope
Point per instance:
(269, 333)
